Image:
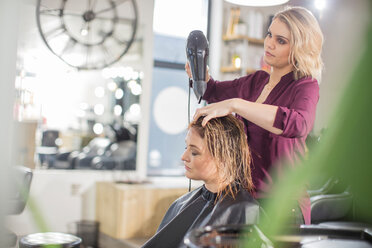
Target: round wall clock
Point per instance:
(87, 34)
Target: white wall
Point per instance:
(9, 13)
(344, 25)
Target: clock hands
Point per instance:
(70, 44)
(91, 4)
(113, 5)
(50, 34)
(107, 54)
(89, 48)
(72, 14)
(51, 12)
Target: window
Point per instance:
(169, 97)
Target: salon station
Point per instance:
(97, 97)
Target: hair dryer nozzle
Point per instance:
(199, 88)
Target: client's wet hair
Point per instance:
(227, 143)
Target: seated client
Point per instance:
(218, 155)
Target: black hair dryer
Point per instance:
(197, 51)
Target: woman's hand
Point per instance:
(215, 110)
(188, 71)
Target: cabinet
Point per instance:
(24, 139)
(127, 211)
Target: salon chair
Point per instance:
(119, 156)
(48, 149)
(116, 151)
(20, 181)
(331, 202)
(331, 185)
(96, 147)
(331, 207)
(306, 236)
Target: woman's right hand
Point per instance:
(215, 110)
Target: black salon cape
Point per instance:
(198, 209)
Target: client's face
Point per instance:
(199, 164)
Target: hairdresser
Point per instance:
(277, 108)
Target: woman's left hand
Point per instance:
(214, 110)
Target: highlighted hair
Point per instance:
(227, 143)
(306, 41)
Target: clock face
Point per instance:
(87, 34)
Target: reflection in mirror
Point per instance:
(107, 130)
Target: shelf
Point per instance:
(250, 71)
(231, 69)
(243, 37)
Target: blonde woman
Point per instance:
(278, 108)
(218, 155)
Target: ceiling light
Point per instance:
(320, 4)
(257, 3)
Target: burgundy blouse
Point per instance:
(296, 101)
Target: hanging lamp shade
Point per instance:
(257, 3)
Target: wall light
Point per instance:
(119, 93)
(98, 128)
(118, 110)
(99, 109)
(112, 86)
(257, 3)
(99, 92)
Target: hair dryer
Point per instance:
(197, 51)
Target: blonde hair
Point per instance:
(306, 41)
(227, 143)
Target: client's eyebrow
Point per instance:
(194, 146)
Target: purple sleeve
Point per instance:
(222, 90)
(297, 120)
